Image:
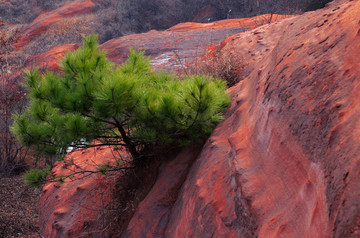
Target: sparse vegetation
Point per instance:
(226, 66)
(12, 155)
(24, 11)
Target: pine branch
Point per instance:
(84, 173)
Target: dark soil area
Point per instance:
(18, 208)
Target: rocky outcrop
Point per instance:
(154, 211)
(283, 163)
(77, 206)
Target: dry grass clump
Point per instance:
(220, 64)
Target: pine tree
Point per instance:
(128, 105)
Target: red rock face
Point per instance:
(284, 162)
(73, 209)
(154, 211)
(76, 207)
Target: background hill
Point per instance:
(113, 18)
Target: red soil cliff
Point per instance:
(285, 161)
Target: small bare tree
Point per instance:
(12, 100)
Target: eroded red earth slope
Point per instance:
(284, 162)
